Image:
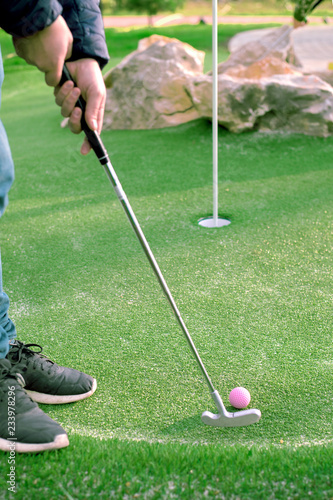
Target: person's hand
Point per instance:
(47, 49)
(89, 80)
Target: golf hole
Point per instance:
(212, 222)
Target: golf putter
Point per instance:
(223, 418)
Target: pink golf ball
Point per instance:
(239, 397)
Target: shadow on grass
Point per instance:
(186, 424)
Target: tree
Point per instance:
(151, 7)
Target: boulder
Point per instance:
(287, 102)
(327, 76)
(162, 84)
(264, 68)
(276, 42)
(148, 88)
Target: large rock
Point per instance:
(262, 87)
(327, 76)
(148, 88)
(264, 68)
(273, 42)
(287, 102)
(162, 84)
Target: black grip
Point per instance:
(92, 136)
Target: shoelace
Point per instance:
(11, 372)
(18, 350)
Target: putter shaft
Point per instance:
(110, 172)
(224, 418)
(103, 157)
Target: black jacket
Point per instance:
(25, 17)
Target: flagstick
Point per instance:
(215, 113)
(214, 221)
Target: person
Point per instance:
(46, 33)
(302, 9)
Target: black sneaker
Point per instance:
(24, 428)
(45, 381)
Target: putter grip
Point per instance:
(92, 136)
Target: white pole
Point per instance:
(215, 220)
(215, 112)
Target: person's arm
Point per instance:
(50, 46)
(47, 49)
(84, 19)
(24, 18)
(302, 9)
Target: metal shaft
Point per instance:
(110, 172)
(103, 157)
(215, 111)
(224, 418)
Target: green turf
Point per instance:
(128, 469)
(256, 297)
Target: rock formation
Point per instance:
(148, 88)
(261, 87)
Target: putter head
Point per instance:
(226, 419)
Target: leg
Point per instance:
(7, 328)
(32, 430)
(44, 380)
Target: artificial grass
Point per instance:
(126, 469)
(256, 297)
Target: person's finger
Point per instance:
(74, 121)
(68, 104)
(95, 102)
(101, 114)
(62, 92)
(85, 148)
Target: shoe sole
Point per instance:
(51, 399)
(60, 441)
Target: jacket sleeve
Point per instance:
(304, 7)
(85, 21)
(25, 17)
